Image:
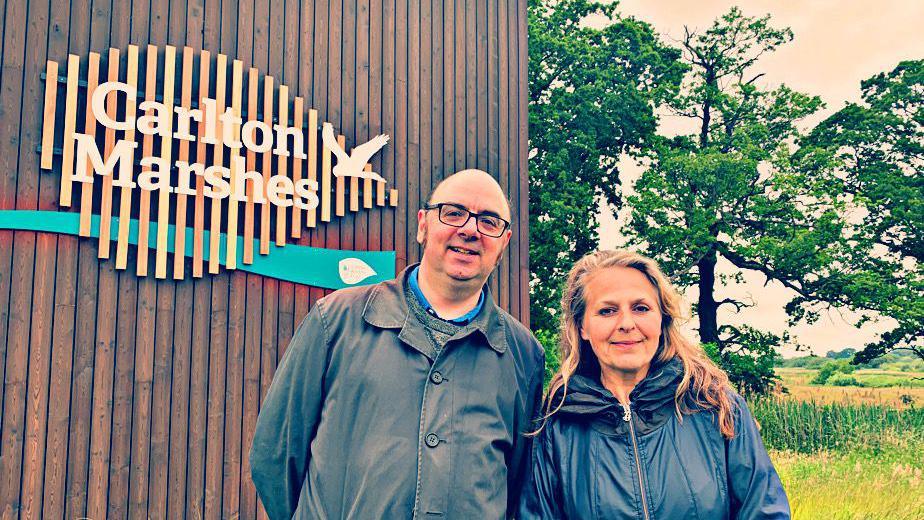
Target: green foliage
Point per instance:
(869, 157)
(847, 353)
(549, 342)
(832, 368)
(803, 362)
(824, 373)
(897, 361)
(840, 379)
(749, 364)
(727, 192)
(592, 95)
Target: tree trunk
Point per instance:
(707, 308)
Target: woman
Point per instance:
(639, 422)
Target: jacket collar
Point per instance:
(387, 308)
(652, 399)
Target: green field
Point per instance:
(847, 452)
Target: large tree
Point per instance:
(870, 155)
(593, 89)
(724, 198)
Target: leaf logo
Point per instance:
(354, 270)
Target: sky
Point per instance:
(837, 44)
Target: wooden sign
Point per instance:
(205, 148)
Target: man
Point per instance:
(409, 398)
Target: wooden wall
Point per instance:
(126, 396)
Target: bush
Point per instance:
(829, 369)
(839, 379)
(824, 373)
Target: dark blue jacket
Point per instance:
(594, 459)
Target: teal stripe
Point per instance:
(313, 266)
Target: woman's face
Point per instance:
(622, 321)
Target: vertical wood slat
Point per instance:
(179, 241)
(125, 198)
(237, 85)
(147, 149)
(199, 212)
(267, 165)
(297, 121)
(252, 85)
(522, 171)
(367, 188)
(311, 220)
(221, 73)
(48, 120)
(70, 121)
(325, 184)
(105, 212)
(89, 128)
(87, 275)
(281, 166)
(354, 193)
(340, 196)
(380, 193)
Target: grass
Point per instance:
(853, 485)
(847, 452)
(909, 389)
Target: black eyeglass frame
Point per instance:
(471, 214)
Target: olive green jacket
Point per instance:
(365, 419)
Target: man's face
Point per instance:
(456, 256)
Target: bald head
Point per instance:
(467, 180)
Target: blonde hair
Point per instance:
(704, 385)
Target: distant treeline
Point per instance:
(900, 360)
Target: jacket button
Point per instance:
(436, 377)
(432, 440)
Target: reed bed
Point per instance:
(810, 427)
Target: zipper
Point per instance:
(627, 416)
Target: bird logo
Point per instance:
(352, 165)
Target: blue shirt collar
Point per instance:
(465, 319)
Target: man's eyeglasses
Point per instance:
(457, 216)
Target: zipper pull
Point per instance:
(627, 414)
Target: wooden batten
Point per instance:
(325, 184)
(253, 80)
(354, 193)
(199, 211)
(89, 128)
(125, 197)
(311, 219)
(367, 188)
(179, 239)
(237, 85)
(105, 211)
(298, 117)
(166, 153)
(340, 196)
(221, 79)
(393, 198)
(70, 122)
(380, 193)
(267, 166)
(281, 164)
(147, 149)
(48, 118)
